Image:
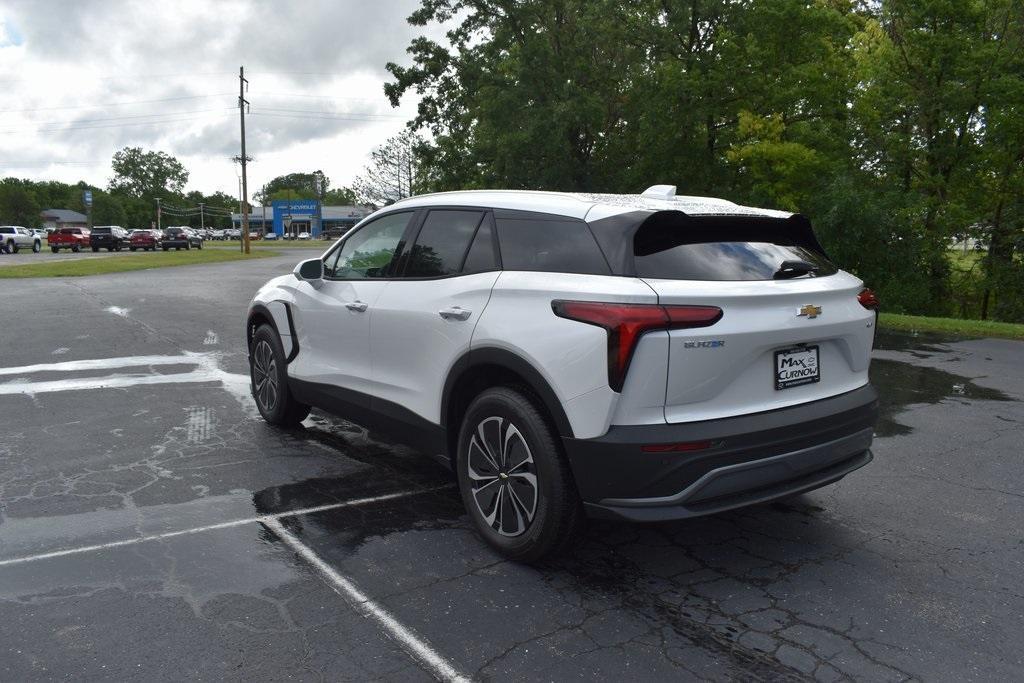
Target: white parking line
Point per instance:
(107, 363)
(416, 647)
(221, 525)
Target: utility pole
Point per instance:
(157, 213)
(202, 219)
(242, 104)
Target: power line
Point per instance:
(323, 118)
(105, 125)
(29, 124)
(115, 104)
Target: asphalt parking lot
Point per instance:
(152, 527)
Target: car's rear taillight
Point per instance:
(626, 323)
(868, 299)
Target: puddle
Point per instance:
(918, 344)
(901, 385)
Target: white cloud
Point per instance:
(83, 78)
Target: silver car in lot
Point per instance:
(14, 238)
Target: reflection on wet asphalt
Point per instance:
(901, 385)
(908, 568)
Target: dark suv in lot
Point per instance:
(181, 238)
(109, 237)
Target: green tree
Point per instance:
(18, 203)
(147, 174)
(301, 185)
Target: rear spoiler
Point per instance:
(610, 232)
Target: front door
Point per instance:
(424, 320)
(332, 317)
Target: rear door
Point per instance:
(423, 322)
(792, 329)
(332, 317)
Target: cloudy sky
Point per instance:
(80, 79)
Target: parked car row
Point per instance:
(14, 238)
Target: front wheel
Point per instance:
(514, 480)
(37, 247)
(54, 249)
(199, 245)
(77, 249)
(269, 380)
(12, 247)
(95, 249)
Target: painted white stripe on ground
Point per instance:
(222, 525)
(409, 641)
(110, 363)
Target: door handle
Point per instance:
(455, 313)
(357, 306)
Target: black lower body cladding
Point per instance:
(748, 459)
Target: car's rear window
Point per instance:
(725, 248)
(101, 231)
(556, 245)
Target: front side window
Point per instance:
(442, 243)
(368, 253)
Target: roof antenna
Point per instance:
(666, 192)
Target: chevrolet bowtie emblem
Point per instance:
(810, 311)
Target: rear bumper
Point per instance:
(753, 458)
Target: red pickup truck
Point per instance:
(68, 238)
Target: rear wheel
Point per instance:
(54, 249)
(514, 480)
(37, 247)
(131, 248)
(12, 247)
(76, 248)
(95, 249)
(269, 380)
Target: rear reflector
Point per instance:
(676, 447)
(626, 323)
(868, 299)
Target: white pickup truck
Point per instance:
(14, 237)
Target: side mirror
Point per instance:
(311, 270)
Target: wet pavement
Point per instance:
(147, 519)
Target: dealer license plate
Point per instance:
(796, 367)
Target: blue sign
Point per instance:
(87, 197)
(303, 212)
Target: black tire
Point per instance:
(12, 247)
(37, 247)
(54, 249)
(75, 248)
(95, 249)
(131, 248)
(557, 514)
(268, 380)
(199, 245)
(164, 248)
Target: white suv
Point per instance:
(641, 357)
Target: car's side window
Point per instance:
(481, 257)
(367, 254)
(558, 245)
(442, 243)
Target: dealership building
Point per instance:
(293, 216)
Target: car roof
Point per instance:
(588, 206)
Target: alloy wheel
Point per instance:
(264, 376)
(503, 476)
